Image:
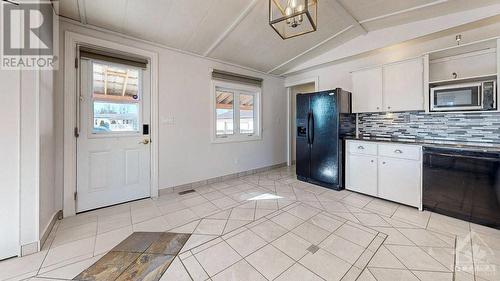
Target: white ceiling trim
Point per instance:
(233, 25)
(404, 11)
(348, 15)
(82, 11)
(312, 48)
(158, 45)
(392, 35)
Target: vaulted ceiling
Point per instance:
(237, 31)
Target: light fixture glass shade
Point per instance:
(291, 18)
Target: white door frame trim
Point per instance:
(70, 111)
(289, 85)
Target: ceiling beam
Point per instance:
(348, 16)
(355, 23)
(231, 27)
(160, 45)
(312, 48)
(386, 37)
(404, 11)
(82, 11)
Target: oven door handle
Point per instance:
(462, 156)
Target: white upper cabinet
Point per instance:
(393, 87)
(404, 86)
(367, 94)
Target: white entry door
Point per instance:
(113, 147)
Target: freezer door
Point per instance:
(302, 136)
(324, 138)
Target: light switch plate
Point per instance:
(168, 120)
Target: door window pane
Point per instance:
(224, 112)
(246, 114)
(115, 98)
(115, 117)
(115, 82)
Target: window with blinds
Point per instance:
(236, 107)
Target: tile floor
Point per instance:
(269, 226)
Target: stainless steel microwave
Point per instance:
(477, 96)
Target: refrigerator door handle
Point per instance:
(308, 128)
(312, 128)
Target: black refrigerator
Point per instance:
(324, 119)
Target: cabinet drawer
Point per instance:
(361, 147)
(400, 151)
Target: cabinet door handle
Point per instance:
(372, 161)
(388, 107)
(361, 147)
(383, 163)
(398, 151)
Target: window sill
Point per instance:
(235, 139)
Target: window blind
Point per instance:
(111, 56)
(234, 77)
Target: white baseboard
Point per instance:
(49, 226)
(218, 179)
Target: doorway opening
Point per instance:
(293, 90)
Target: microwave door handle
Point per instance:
(480, 97)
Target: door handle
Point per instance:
(312, 128)
(146, 141)
(398, 151)
(308, 128)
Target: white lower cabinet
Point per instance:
(362, 174)
(399, 180)
(386, 170)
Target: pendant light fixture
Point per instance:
(291, 18)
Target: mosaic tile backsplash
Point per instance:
(475, 127)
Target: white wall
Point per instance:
(21, 214)
(337, 74)
(29, 158)
(49, 202)
(26, 167)
(185, 151)
(9, 164)
(23, 204)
